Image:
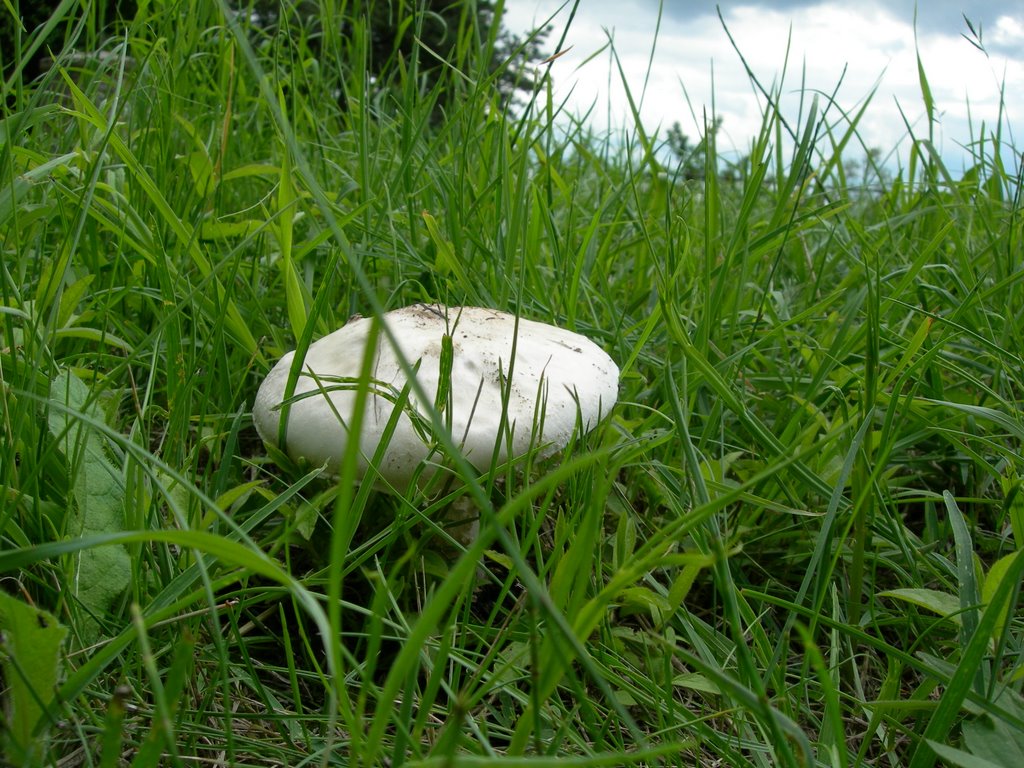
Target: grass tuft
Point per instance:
(796, 541)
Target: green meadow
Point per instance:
(795, 541)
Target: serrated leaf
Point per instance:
(30, 659)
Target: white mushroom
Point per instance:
(558, 379)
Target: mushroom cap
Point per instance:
(569, 374)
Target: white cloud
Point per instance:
(866, 47)
(1009, 31)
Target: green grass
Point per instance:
(796, 541)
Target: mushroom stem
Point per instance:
(462, 520)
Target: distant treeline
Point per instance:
(434, 31)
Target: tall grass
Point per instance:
(796, 541)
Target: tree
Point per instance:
(17, 30)
(429, 37)
(692, 158)
(435, 34)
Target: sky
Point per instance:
(861, 46)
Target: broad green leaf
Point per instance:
(682, 583)
(972, 657)
(640, 599)
(69, 300)
(100, 575)
(200, 164)
(201, 169)
(30, 658)
(250, 170)
(957, 757)
(503, 560)
(942, 603)
(295, 296)
(988, 590)
(305, 519)
(993, 739)
(19, 122)
(446, 260)
(1013, 503)
(11, 193)
(967, 577)
(1007, 421)
(223, 230)
(444, 383)
(696, 682)
(926, 91)
(913, 346)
